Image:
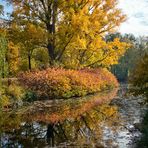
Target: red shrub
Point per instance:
(62, 83)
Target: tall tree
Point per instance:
(139, 76)
(75, 29)
(29, 38)
(3, 52)
(126, 64)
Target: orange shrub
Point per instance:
(62, 83)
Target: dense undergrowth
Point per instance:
(12, 95)
(61, 83)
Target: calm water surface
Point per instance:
(104, 120)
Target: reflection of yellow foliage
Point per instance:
(5, 101)
(9, 121)
(74, 110)
(77, 119)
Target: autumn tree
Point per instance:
(127, 63)
(139, 77)
(13, 58)
(29, 38)
(3, 52)
(74, 29)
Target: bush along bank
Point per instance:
(54, 83)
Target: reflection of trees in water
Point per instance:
(80, 124)
(73, 108)
(28, 135)
(87, 128)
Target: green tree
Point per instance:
(41, 58)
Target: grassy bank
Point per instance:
(61, 83)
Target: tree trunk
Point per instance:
(50, 45)
(51, 30)
(50, 134)
(50, 48)
(29, 62)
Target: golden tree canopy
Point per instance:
(75, 30)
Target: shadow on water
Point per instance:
(143, 141)
(92, 121)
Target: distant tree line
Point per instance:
(129, 61)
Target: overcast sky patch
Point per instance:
(137, 17)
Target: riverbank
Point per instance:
(54, 83)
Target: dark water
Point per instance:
(105, 120)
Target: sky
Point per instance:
(7, 8)
(137, 16)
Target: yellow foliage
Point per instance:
(13, 58)
(78, 38)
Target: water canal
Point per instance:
(106, 120)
